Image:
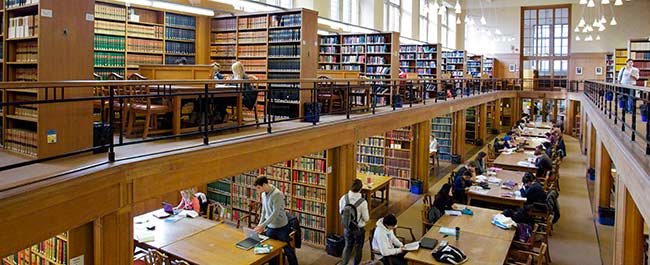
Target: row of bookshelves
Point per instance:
(441, 128)
(388, 154)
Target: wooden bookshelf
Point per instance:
(488, 66)
(441, 127)
(329, 47)
(471, 125)
(2, 72)
(304, 181)
(129, 36)
(57, 250)
(374, 55)
(407, 57)
(422, 59)
(609, 67)
(475, 65)
(276, 45)
(35, 52)
(454, 63)
(620, 56)
(388, 154)
(639, 51)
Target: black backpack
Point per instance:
(349, 214)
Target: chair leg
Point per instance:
(129, 126)
(147, 121)
(257, 122)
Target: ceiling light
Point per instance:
(183, 8)
(618, 3)
(466, 19)
(585, 30)
(604, 2)
(597, 37)
(457, 20)
(613, 22)
(577, 29)
(483, 21)
(457, 7)
(589, 38)
(595, 24)
(591, 3)
(577, 38)
(497, 31)
(590, 29)
(601, 28)
(137, 2)
(603, 20)
(582, 22)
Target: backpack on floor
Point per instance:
(349, 214)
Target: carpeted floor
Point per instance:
(574, 239)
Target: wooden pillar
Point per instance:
(592, 147)
(203, 27)
(344, 170)
(420, 152)
(482, 127)
(515, 111)
(628, 240)
(556, 105)
(458, 134)
(569, 121)
(497, 115)
(604, 177)
(113, 237)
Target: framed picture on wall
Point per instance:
(579, 70)
(599, 70)
(511, 67)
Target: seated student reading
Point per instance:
(384, 240)
(532, 190)
(479, 163)
(543, 164)
(189, 201)
(462, 183)
(444, 199)
(499, 145)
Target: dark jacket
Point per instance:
(294, 225)
(459, 187)
(534, 193)
(544, 165)
(443, 204)
(249, 96)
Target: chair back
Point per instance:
(373, 252)
(452, 175)
(542, 253)
(155, 257)
(427, 200)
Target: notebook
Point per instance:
(252, 239)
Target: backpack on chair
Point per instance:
(349, 214)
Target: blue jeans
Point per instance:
(282, 234)
(353, 240)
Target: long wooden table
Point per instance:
(536, 132)
(493, 195)
(177, 105)
(543, 125)
(216, 245)
(532, 142)
(166, 233)
(378, 184)
(510, 161)
(481, 241)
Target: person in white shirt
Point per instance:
(385, 241)
(433, 150)
(628, 76)
(354, 238)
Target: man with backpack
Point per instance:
(354, 215)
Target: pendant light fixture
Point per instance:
(466, 19)
(613, 22)
(582, 22)
(591, 3)
(589, 38)
(457, 7)
(457, 20)
(604, 2)
(603, 20)
(483, 21)
(601, 28)
(583, 2)
(577, 29)
(577, 38)
(597, 37)
(618, 2)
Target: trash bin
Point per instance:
(455, 159)
(101, 136)
(606, 215)
(591, 173)
(312, 111)
(416, 186)
(334, 245)
(397, 101)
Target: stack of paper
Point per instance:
(413, 246)
(263, 249)
(453, 213)
(447, 231)
(481, 178)
(145, 236)
(494, 180)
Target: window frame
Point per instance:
(547, 42)
(392, 5)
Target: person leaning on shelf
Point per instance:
(628, 76)
(354, 236)
(273, 217)
(384, 240)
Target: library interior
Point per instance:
(314, 132)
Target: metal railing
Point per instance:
(118, 103)
(626, 106)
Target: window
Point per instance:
(451, 28)
(351, 11)
(546, 37)
(282, 3)
(424, 20)
(334, 10)
(392, 15)
(433, 28)
(444, 30)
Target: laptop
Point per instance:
(428, 243)
(168, 208)
(252, 239)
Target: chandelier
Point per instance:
(593, 18)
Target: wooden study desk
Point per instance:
(493, 195)
(531, 142)
(536, 132)
(177, 105)
(216, 245)
(166, 233)
(511, 161)
(479, 224)
(378, 184)
(543, 125)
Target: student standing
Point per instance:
(273, 216)
(355, 236)
(384, 240)
(628, 76)
(433, 150)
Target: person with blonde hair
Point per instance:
(189, 201)
(249, 96)
(216, 69)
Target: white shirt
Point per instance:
(628, 76)
(385, 241)
(362, 211)
(433, 145)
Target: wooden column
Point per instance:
(556, 105)
(113, 237)
(569, 121)
(344, 170)
(604, 177)
(203, 27)
(482, 127)
(497, 115)
(420, 152)
(458, 134)
(515, 111)
(633, 234)
(592, 147)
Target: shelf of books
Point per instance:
(277, 45)
(474, 65)
(471, 125)
(304, 182)
(45, 130)
(620, 56)
(609, 67)
(407, 57)
(374, 55)
(488, 66)
(329, 47)
(387, 155)
(453, 63)
(2, 94)
(421, 59)
(639, 51)
(441, 128)
(128, 36)
(57, 250)
(489, 123)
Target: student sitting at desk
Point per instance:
(216, 72)
(510, 139)
(444, 199)
(532, 190)
(499, 145)
(479, 163)
(543, 164)
(384, 240)
(462, 183)
(189, 201)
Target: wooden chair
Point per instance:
(179, 262)
(528, 245)
(529, 261)
(491, 156)
(328, 95)
(141, 104)
(435, 159)
(375, 252)
(427, 203)
(253, 215)
(120, 109)
(155, 257)
(256, 87)
(536, 256)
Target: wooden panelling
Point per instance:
(420, 151)
(604, 181)
(502, 63)
(344, 172)
(633, 240)
(175, 72)
(588, 62)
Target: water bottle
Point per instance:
(457, 232)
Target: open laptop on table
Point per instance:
(252, 239)
(168, 208)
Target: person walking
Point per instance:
(354, 210)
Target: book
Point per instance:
(262, 249)
(448, 231)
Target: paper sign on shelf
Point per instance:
(78, 260)
(46, 12)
